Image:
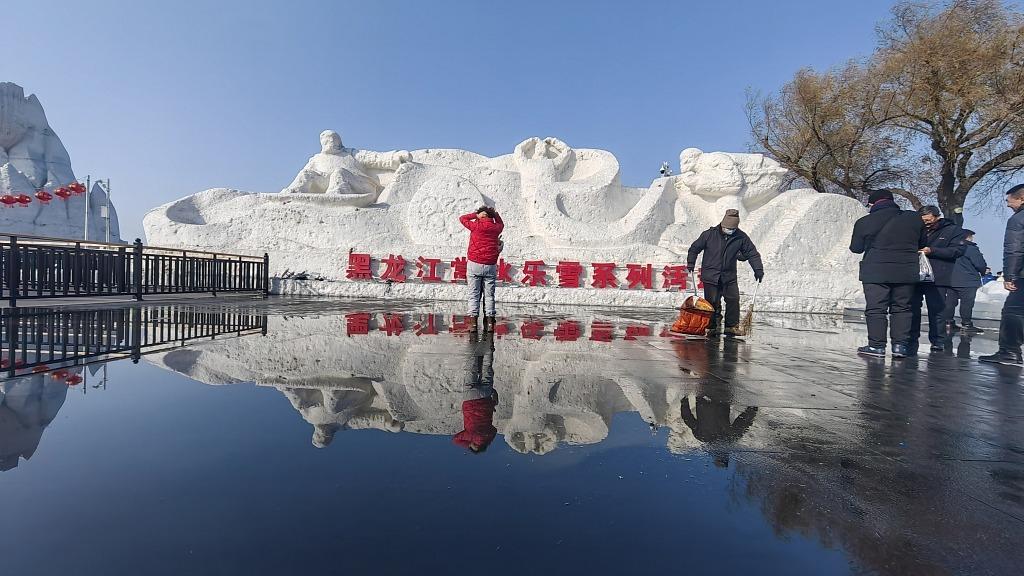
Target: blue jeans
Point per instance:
(481, 279)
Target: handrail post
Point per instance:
(266, 274)
(214, 275)
(12, 274)
(12, 342)
(137, 268)
(135, 337)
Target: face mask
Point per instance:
(729, 231)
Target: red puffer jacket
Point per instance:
(484, 245)
(478, 421)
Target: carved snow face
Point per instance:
(542, 159)
(716, 175)
(330, 142)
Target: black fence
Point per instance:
(41, 340)
(35, 267)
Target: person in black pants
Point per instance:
(946, 243)
(723, 246)
(889, 238)
(966, 281)
(1011, 325)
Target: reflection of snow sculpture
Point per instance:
(551, 393)
(346, 172)
(33, 157)
(558, 203)
(332, 409)
(27, 406)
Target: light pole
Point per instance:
(104, 213)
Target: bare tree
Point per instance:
(936, 113)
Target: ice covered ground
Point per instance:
(786, 449)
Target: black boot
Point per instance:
(1004, 357)
(489, 323)
(473, 323)
(970, 328)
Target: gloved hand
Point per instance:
(690, 268)
(758, 275)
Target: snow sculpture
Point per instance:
(352, 174)
(32, 157)
(742, 181)
(558, 203)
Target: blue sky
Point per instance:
(170, 98)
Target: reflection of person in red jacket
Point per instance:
(480, 400)
(477, 418)
(485, 227)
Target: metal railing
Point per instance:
(37, 267)
(40, 340)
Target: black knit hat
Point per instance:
(877, 195)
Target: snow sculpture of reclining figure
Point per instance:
(345, 172)
(741, 181)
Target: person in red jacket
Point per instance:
(485, 227)
(479, 399)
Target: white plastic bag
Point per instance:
(924, 268)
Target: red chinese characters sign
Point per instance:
(565, 330)
(531, 273)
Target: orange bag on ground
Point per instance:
(694, 317)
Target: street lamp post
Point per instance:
(105, 213)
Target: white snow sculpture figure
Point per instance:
(353, 175)
(32, 157)
(27, 142)
(576, 196)
(742, 181)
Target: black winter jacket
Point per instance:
(889, 239)
(721, 252)
(948, 243)
(969, 268)
(1013, 248)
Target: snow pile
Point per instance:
(558, 203)
(33, 158)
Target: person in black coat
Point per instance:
(966, 281)
(946, 244)
(889, 238)
(1011, 324)
(723, 246)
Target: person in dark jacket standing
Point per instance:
(889, 238)
(966, 281)
(485, 227)
(1011, 325)
(946, 243)
(723, 246)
